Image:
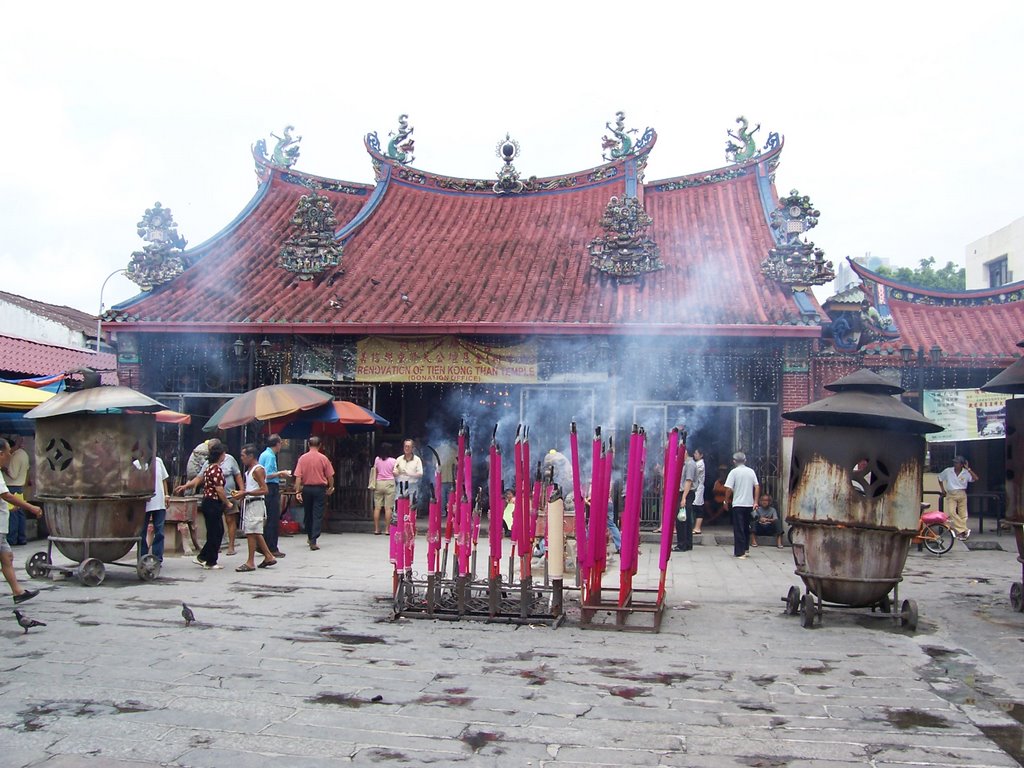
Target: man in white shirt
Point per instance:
(16, 477)
(6, 554)
(408, 469)
(953, 482)
(742, 489)
(156, 512)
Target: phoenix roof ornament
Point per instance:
(160, 259)
(312, 249)
(401, 145)
(622, 145)
(794, 260)
(286, 151)
(747, 147)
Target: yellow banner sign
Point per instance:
(444, 359)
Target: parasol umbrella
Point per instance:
(105, 399)
(19, 398)
(337, 418)
(167, 416)
(273, 401)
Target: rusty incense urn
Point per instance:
(855, 489)
(1011, 382)
(94, 469)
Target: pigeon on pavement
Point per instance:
(187, 615)
(26, 622)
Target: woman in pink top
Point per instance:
(383, 486)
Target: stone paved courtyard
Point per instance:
(300, 665)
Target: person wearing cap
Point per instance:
(953, 482)
(742, 489)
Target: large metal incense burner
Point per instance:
(855, 493)
(1011, 382)
(94, 475)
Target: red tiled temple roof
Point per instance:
(963, 324)
(30, 358)
(434, 254)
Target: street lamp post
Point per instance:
(933, 356)
(250, 353)
(99, 317)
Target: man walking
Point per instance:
(953, 482)
(741, 490)
(268, 460)
(6, 555)
(314, 482)
(16, 478)
(254, 510)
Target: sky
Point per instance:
(901, 120)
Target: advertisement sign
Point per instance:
(444, 359)
(965, 414)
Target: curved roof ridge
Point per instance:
(266, 169)
(598, 174)
(722, 173)
(916, 290)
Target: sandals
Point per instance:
(244, 568)
(267, 564)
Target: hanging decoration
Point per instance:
(624, 251)
(313, 249)
(508, 182)
(160, 259)
(793, 260)
(744, 148)
(401, 145)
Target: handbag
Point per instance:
(373, 478)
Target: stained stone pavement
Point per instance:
(300, 665)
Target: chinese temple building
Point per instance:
(596, 296)
(932, 343)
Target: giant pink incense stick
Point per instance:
(497, 504)
(434, 520)
(670, 494)
(577, 497)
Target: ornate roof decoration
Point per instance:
(286, 151)
(285, 155)
(624, 251)
(793, 260)
(401, 145)
(622, 145)
(160, 259)
(746, 148)
(313, 249)
(913, 296)
(508, 182)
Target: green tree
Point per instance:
(949, 278)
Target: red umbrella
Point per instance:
(264, 404)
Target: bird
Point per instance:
(405, 297)
(26, 622)
(374, 281)
(186, 613)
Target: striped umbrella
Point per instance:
(265, 403)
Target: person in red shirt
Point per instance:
(314, 482)
(215, 499)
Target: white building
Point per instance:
(998, 258)
(46, 323)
